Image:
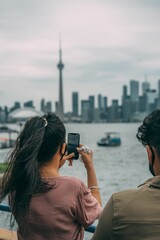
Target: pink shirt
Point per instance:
(62, 212)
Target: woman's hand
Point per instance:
(68, 157)
(86, 157)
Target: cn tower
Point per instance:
(60, 66)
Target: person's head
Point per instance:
(149, 135)
(45, 135)
(38, 142)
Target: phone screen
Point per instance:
(73, 142)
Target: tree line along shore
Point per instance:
(2, 167)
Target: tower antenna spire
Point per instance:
(60, 49)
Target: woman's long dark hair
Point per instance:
(36, 144)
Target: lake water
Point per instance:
(117, 168)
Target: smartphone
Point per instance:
(73, 143)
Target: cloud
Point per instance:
(105, 44)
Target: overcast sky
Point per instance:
(105, 43)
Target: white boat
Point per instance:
(111, 139)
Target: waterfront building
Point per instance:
(114, 111)
(99, 101)
(75, 101)
(124, 94)
(42, 107)
(145, 87)
(29, 104)
(16, 105)
(105, 103)
(134, 90)
(92, 107)
(6, 112)
(134, 94)
(23, 114)
(2, 115)
(97, 115)
(151, 100)
(85, 111)
(143, 101)
(126, 109)
(48, 106)
(102, 108)
(126, 105)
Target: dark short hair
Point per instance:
(149, 132)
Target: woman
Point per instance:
(45, 204)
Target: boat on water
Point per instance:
(7, 137)
(111, 139)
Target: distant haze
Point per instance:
(104, 44)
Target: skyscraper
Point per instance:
(134, 90)
(114, 111)
(124, 92)
(75, 104)
(126, 105)
(60, 65)
(92, 107)
(99, 101)
(134, 87)
(145, 87)
(105, 104)
(85, 113)
(151, 100)
(43, 105)
(29, 104)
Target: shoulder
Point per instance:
(71, 179)
(125, 197)
(125, 194)
(138, 193)
(120, 198)
(74, 182)
(127, 203)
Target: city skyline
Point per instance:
(133, 108)
(105, 45)
(133, 89)
(141, 89)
